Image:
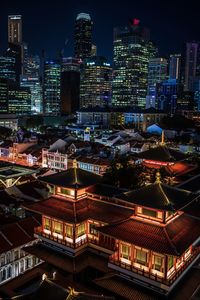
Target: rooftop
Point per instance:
(159, 196)
(79, 211)
(172, 239)
(72, 178)
(163, 154)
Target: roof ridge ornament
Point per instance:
(158, 177)
(163, 138)
(75, 166)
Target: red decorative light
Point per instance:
(136, 22)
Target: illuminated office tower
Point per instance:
(96, 82)
(157, 73)
(15, 29)
(3, 95)
(132, 51)
(19, 100)
(175, 66)
(7, 68)
(51, 93)
(14, 52)
(33, 83)
(70, 85)
(15, 45)
(83, 36)
(31, 80)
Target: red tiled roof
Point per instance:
(172, 239)
(79, 211)
(17, 234)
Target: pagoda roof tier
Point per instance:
(79, 211)
(162, 154)
(172, 239)
(74, 178)
(159, 196)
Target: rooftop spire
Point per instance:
(158, 177)
(163, 138)
(75, 168)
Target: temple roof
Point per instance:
(80, 211)
(172, 239)
(52, 291)
(163, 154)
(159, 196)
(72, 178)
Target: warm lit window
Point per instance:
(68, 231)
(125, 251)
(149, 213)
(170, 262)
(158, 262)
(47, 224)
(141, 257)
(81, 230)
(58, 227)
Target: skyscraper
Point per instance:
(19, 100)
(31, 79)
(70, 85)
(15, 29)
(14, 51)
(51, 94)
(3, 95)
(157, 72)
(175, 66)
(96, 82)
(132, 51)
(7, 68)
(192, 63)
(83, 36)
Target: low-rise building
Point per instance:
(13, 238)
(139, 119)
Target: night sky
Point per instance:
(47, 24)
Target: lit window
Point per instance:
(68, 231)
(58, 227)
(81, 230)
(158, 262)
(141, 257)
(125, 251)
(170, 262)
(47, 224)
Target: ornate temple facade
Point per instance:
(143, 236)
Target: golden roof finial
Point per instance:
(163, 138)
(75, 166)
(158, 177)
(72, 291)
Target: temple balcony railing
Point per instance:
(87, 240)
(148, 274)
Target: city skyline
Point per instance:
(49, 30)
